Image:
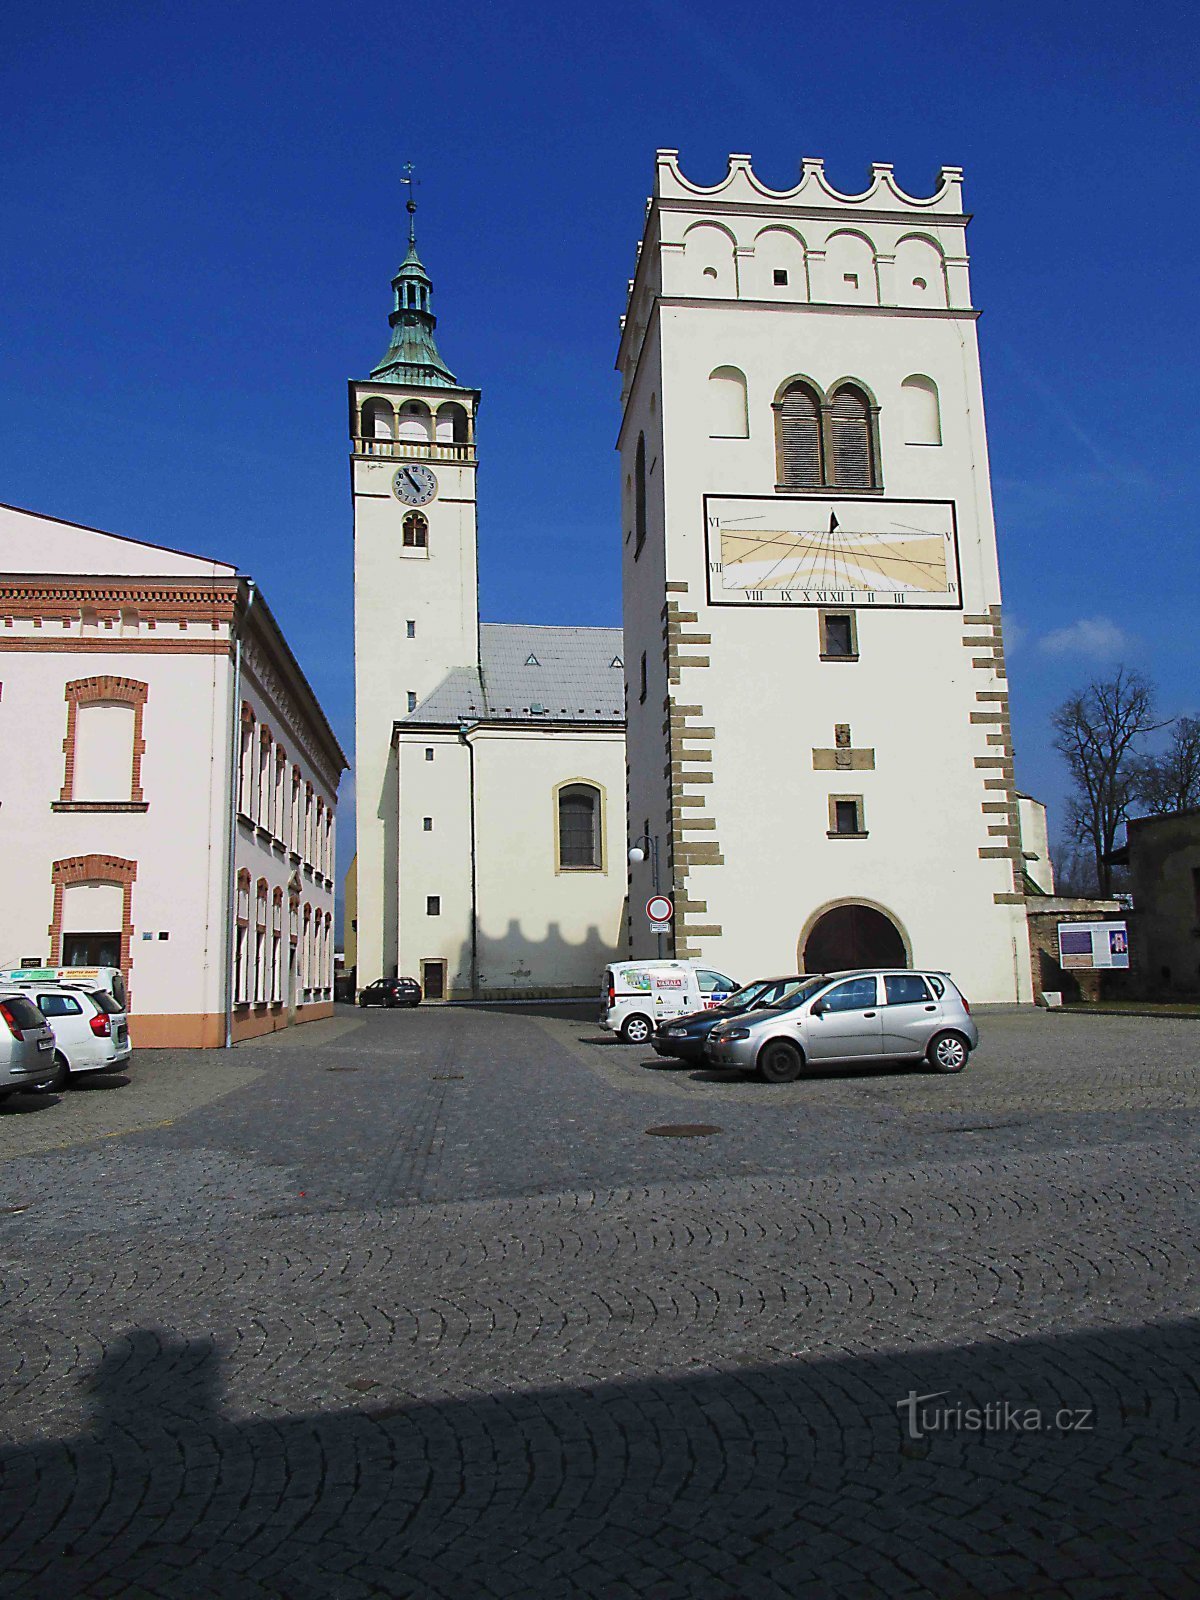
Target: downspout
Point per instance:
(235, 765)
(465, 730)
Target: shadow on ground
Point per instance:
(802, 1477)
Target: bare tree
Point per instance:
(1171, 781)
(1097, 732)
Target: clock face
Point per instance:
(416, 486)
(792, 551)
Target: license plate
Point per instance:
(121, 1035)
(45, 1044)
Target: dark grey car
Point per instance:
(843, 1017)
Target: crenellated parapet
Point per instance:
(813, 189)
(808, 247)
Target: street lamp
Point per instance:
(647, 844)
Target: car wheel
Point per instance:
(57, 1079)
(947, 1052)
(779, 1062)
(636, 1029)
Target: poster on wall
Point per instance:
(1093, 945)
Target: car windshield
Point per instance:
(740, 999)
(795, 992)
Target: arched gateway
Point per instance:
(853, 935)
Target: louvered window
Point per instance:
(578, 831)
(798, 437)
(850, 426)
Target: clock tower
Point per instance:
(416, 608)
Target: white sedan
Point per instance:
(91, 1031)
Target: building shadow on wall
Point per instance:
(513, 965)
(802, 1475)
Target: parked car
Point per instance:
(391, 992)
(686, 1036)
(635, 996)
(26, 1044)
(91, 1031)
(846, 1017)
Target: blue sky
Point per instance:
(201, 216)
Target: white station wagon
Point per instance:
(91, 1031)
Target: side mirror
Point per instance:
(817, 1009)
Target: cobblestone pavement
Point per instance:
(410, 1304)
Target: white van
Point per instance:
(110, 979)
(637, 995)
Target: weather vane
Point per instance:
(411, 203)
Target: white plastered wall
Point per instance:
(911, 696)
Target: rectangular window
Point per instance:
(433, 905)
(839, 636)
(241, 976)
(246, 770)
(642, 694)
(276, 967)
(412, 700)
(410, 629)
(427, 824)
(428, 753)
(260, 965)
(846, 816)
(779, 277)
(104, 734)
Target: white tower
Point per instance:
(818, 726)
(416, 611)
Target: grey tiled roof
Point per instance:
(534, 674)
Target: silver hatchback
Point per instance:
(839, 1018)
(26, 1045)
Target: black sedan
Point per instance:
(684, 1037)
(391, 992)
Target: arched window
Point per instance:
(639, 495)
(579, 826)
(919, 409)
(727, 404)
(799, 460)
(378, 420)
(850, 437)
(416, 532)
(451, 423)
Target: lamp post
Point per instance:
(647, 844)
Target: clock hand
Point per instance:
(411, 475)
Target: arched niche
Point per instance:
(709, 264)
(726, 404)
(780, 266)
(920, 274)
(850, 270)
(920, 413)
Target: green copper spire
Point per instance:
(413, 358)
